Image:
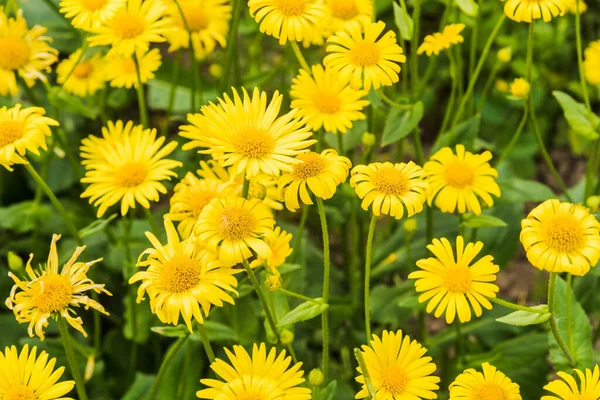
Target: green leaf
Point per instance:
(25, 216)
(411, 302)
(329, 391)
(517, 190)
(403, 22)
(141, 387)
(171, 331)
(469, 7)
(143, 318)
(303, 312)
(464, 133)
(400, 123)
(582, 121)
(96, 226)
(217, 331)
(59, 98)
(524, 318)
(482, 221)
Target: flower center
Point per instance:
(253, 143)
(236, 224)
(195, 18)
(490, 391)
(290, 8)
(10, 132)
(52, 293)
(19, 393)
(327, 102)
(128, 66)
(364, 53)
(459, 174)
(393, 380)
(563, 233)
(313, 165)
(458, 279)
(391, 181)
(199, 200)
(83, 70)
(127, 25)
(14, 53)
(343, 9)
(180, 274)
(132, 174)
(93, 5)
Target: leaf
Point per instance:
(329, 391)
(469, 7)
(143, 320)
(582, 121)
(171, 331)
(400, 123)
(517, 190)
(303, 312)
(411, 302)
(96, 226)
(217, 331)
(524, 318)
(141, 387)
(482, 221)
(403, 22)
(25, 216)
(59, 98)
(464, 133)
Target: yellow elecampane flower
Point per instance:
(491, 384)
(363, 58)
(325, 100)
(24, 52)
(279, 243)
(87, 76)
(133, 27)
(566, 388)
(434, 43)
(319, 173)
(28, 376)
(259, 375)
(561, 237)
(398, 369)
(529, 10)
(571, 6)
(53, 293)
(451, 284)
(126, 164)
(120, 70)
(591, 63)
(519, 88)
(391, 189)
(89, 14)
(207, 19)
(182, 278)
(343, 13)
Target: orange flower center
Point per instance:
(343, 9)
(10, 132)
(459, 174)
(313, 165)
(327, 102)
(489, 391)
(127, 25)
(391, 181)
(14, 53)
(51, 293)
(563, 233)
(21, 392)
(236, 223)
(93, 5)
(364, 53)
(393, 380)
(199, 200)
(180, 274)
(132, 174)
(458, 279)
(195, 17)
(83, 70)
(253, 143)
(290, 8)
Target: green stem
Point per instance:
(584, 88)
(326, 278)
(192, 58)
(414, 45)
(44, 173)
(568, 312)
(206, 343)
(233, 28)
(391, 102)
(459, 341)
(140, 94)
(261, 298)
(488, 85)
(150, 218)
(416, 135)
(553, 324)
(131, 295)
(340, 140)
(299, 233)
(514, 306)
(365, 373)
(163, 366)
(174, 85)
(514, 139)
(245, 188)
(474, 40)
(56, 10)
(450, 106)
(298, 296)
(299, 56)
(368, 256)
(71, 359)
(84, 47)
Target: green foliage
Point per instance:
(305, 311)
(400, 123)
(525, 318)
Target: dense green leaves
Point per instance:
(305, 311)
(524, 318)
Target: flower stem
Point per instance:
(298, 296)
(514, 306)
(72, 360)
(568, 312)
(488, 85)
(414, 44)
(84, 47)
(192, 58)
(450, 106)
(514, 139)
(368, 256)
(163, 367)
(261, 298)
(150, 218)
(233, 29)
(245, 188)
(140, 93)
(326, 278)
(299, 232)
(299, 56)
(206, 343)
(391, 102)
(553, 324)
(174, 84)
(584, 88)
(365, 373)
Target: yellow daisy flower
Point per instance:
(207, 19)
(133, 27)
(343, 13)
(491, 384)
(182, 278)
(363, 58)
(285, 20)
(391, 188)
(433, 44)
(397, 368)
(448, 282)
(24, 52)
(279, 243)
(567, 389)
(327, 101)
(126, 164)
(87, 77)
(50, 293)
(27, 375)
(528, 10)
(257, 376)
(561, 237)
(519, 88)
(231, 226)
(122, 71)
(22, 129)
(571, 6)
(321, 173)
(591, 63)
(248, 134)
(457, 181)
(89, 14)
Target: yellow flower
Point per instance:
(273, 283)
(571, 6)
(448, 282)
(457, 181)
(397, 369)
(519, 88)
(50, 293)
(22, 129)
(207, 19)
(28, 376)
(363, 59)
(561, 237)
(257, 376)
(126, 164)
(391, 188)
(327, 101)
(504, 55)
(89, 14)
(279, 243)
(433, 44)
(133, 27)
(247, 134)
(528, 10)
(589, 387)
(121, 71)
(295, 20)
(231, 226)
(24, 52)
(491, 384)
(502, 85)
(87, 77)
(343, 13)
(182, 278)
(591, 64)
(321, 173)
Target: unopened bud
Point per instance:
(14, 261)
(273, 283)
(505, 54)
(502, 85)
(316, 377)
(90, 365)
(390, 259)
(215, 70)
(593, 202)
(520, 88)
(368, 139)
(410, 225)
(286, 337)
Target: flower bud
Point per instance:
(14, 261)
(215, 70)
(504, 55)
(502, 85)
(286, 337)
(368, 139)
(410, 225)
(593, 202)
(519, 88)
(273, 283)
(316, 377)
(390, 259)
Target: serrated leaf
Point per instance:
(403, 21)
(469, 7)
(582, 121)
(524, 318)
(303, 312)
(400, 123)
(482, 221)
(171, 331)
